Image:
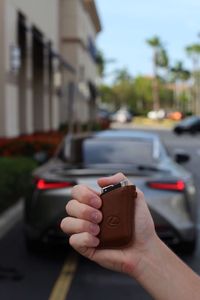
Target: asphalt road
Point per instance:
(24, 276)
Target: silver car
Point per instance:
(81, 159)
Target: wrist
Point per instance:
(148, 255)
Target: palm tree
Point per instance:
(179, 75)
(122, 75)
(102, 62)
(193, 52)
(160, 59)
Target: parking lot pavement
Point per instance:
(24, 276)
(94, 282)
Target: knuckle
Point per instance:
(84, 226)
(140, 193)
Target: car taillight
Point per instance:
(43, 184)
(169, 186)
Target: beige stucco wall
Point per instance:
(42, 13)
(86, 29)
(45, 16)
(76, 23)
(69, 28)
(76, 27)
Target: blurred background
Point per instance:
(72, 67)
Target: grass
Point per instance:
(143, 121)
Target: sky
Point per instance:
(128, 24)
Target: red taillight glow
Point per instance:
(170, 186)
(48, 185)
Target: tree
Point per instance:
(101, 62)
(122, 75)
(121, 92)
(107, 94)
(143, 93)
(193, 52)
(160, 60)
(179, 76)
(155, 43)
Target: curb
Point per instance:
(10, 217)
(146, 127)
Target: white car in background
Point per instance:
(122, 116)
(156, 114)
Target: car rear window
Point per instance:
(113, 151)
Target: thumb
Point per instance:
(104, 181)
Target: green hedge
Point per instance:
(15, 179)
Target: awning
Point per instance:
(63, 62)
(93, 90)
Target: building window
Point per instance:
(92, 49)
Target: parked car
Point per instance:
(190, 125)
(81, 159)
(175, 115)
(103, 118)
(156, 114)
(122, 116)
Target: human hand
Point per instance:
(82, 224)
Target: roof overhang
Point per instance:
(92, 10)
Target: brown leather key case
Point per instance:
(116, 228)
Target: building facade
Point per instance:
(44, 74)
(79, 26)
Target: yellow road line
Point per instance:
(63, 283)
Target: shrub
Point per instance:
(30, 145)
(15, 179)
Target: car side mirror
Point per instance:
(181, 157)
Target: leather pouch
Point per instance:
(116, 228)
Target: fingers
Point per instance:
(87, 196)
(73, 226)
(83, 211)
(112, 179)
(83, 242)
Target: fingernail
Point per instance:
(96, 242)
(96, 217)
(95, 202)
(94, 229)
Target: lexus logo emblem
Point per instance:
(112, 221)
